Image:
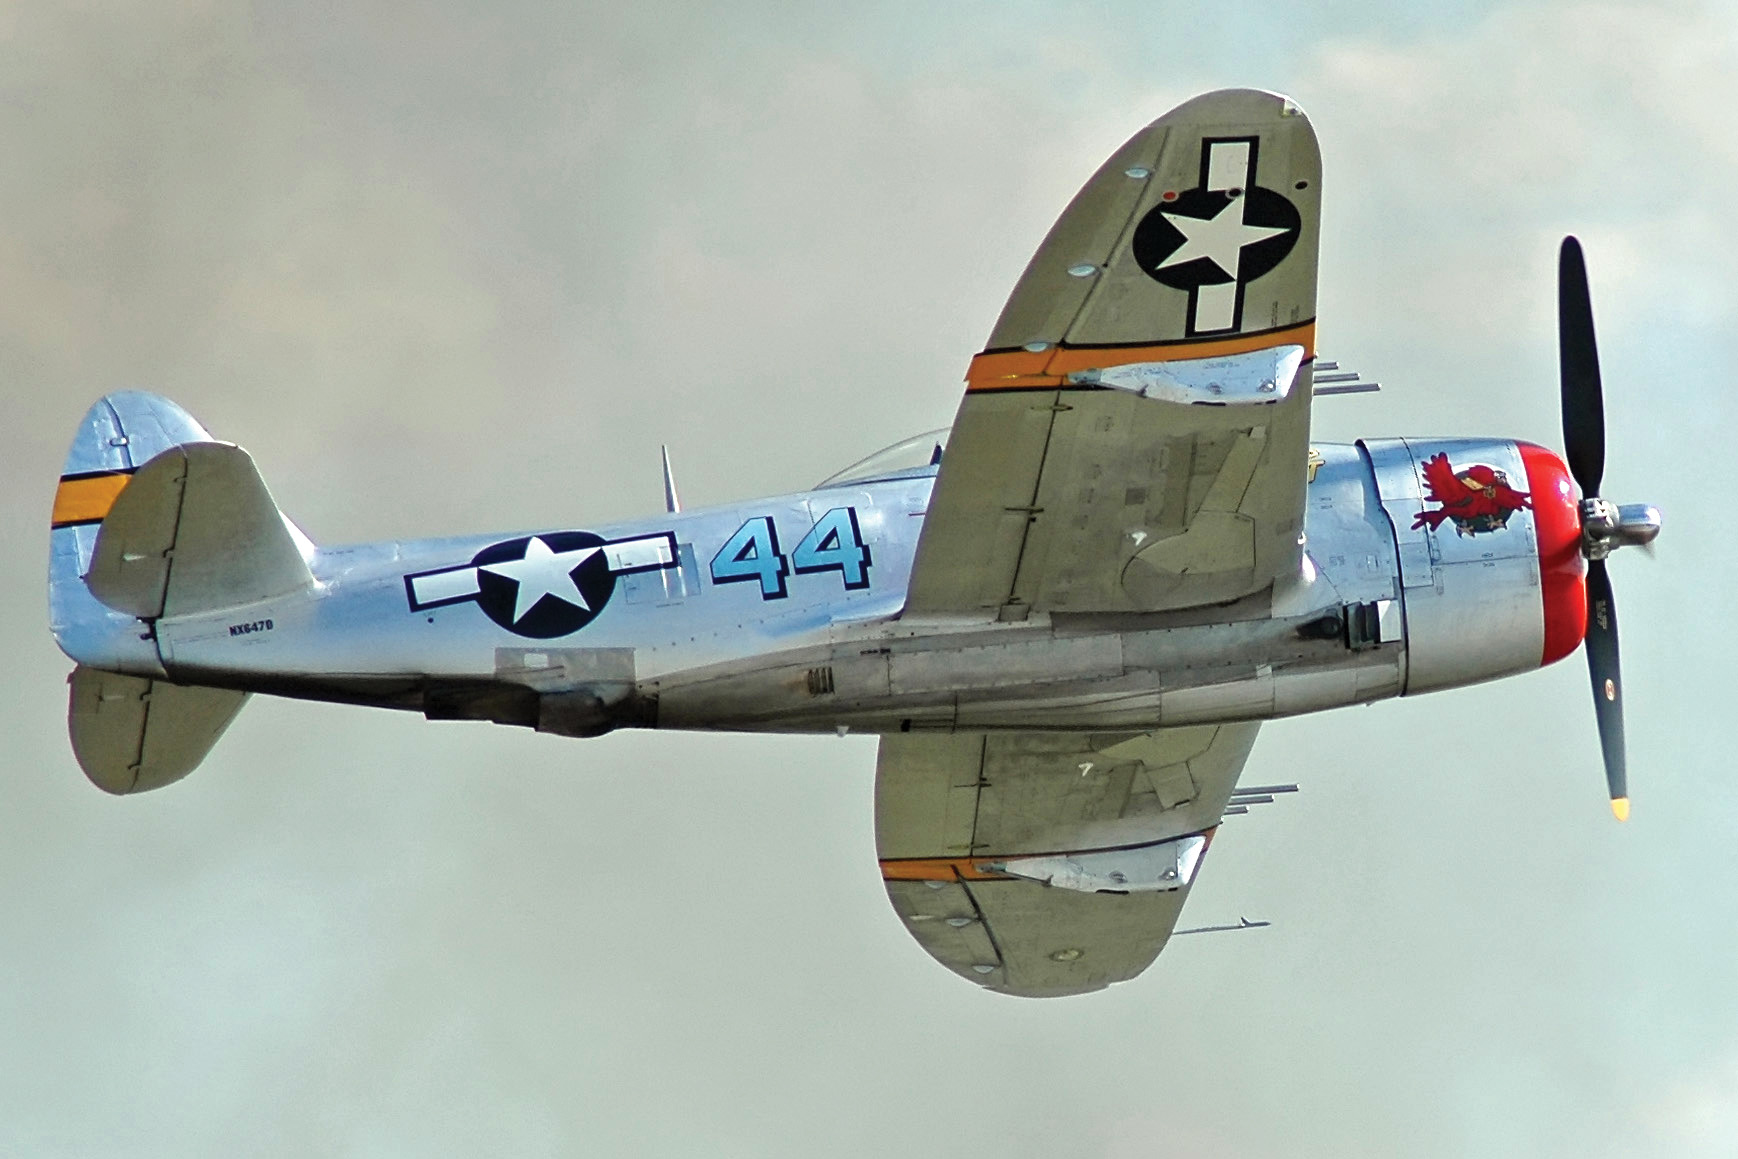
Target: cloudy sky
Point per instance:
(453, 267)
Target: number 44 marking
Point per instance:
(832, 544)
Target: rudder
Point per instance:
(119, 434)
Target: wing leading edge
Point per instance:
(1134, 436)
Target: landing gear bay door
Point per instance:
(1134, 436)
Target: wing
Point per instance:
(1134, 438)
(1044, 864)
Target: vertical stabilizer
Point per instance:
(117, 436)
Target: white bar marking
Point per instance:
(445, 585)
(1216, 307)
(1227, 164)
(639, 554)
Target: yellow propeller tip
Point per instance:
(1620, 808)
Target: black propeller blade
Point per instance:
(1578, 359)
(1584, 450)
(1604, 668)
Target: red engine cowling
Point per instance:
(1562, 570)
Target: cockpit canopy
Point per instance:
(913, 458)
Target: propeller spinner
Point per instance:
(1605, 526)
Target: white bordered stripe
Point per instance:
(647, 553)
(443, 587)
(1227, 164)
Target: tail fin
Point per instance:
(153, 519)
(116, 437)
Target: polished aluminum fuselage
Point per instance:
(1380, 608)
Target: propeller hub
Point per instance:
(1606, 526)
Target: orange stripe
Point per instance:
(87, 498)
(970, 869)
(934, 869)
(1024, 369)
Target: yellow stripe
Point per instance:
(1025, 369)
(87, 499)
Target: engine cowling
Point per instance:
(1492, 577)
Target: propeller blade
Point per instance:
(1603, 667)
(1578, 364)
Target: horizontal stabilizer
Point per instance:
(195, 530)
(131, 734)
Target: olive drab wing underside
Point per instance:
(1134, 437)
(1042, 864)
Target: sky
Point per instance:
(453, 268)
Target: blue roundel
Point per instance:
(544, 585)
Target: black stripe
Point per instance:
(82, 475)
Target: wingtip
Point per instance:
(1620, 808)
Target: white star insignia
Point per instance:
(1220, 238)
(543, 572)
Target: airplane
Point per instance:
(1065, 616)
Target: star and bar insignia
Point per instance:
(1213, 240)
(543, 586)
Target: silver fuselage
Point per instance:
(1381, 608)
